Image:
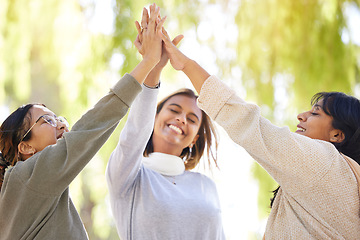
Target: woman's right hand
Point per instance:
(177, 59)
(149, 43)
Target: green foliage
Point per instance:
(302, 38)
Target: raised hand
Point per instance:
(164, 55)
(148, 42)
(138, 42)
(177, 59)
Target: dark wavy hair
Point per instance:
(345, 111)
(11, 131)
(207, 134)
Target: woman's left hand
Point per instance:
(148, 41)
(138, 42)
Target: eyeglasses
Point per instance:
(53, 121)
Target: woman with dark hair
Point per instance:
(45, 156)
(153, 193)
(319, 194)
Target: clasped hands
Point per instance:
(153, 40)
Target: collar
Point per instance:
(165, 164)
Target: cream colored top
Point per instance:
(318, 198)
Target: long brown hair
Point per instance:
(11, 132)
(207, 136)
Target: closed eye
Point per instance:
(191, 120)
(50, 120)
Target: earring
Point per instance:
(190, 153)
(190, 148)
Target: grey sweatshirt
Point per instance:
(154, 198)
(34, 199)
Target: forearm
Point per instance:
(153, 78)
(142, 70)
(196, 74)
(125, 161)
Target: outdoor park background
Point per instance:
(277, 53)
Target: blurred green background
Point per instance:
(277, 53)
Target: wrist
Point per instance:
(188, 65)
(152, 86)
(148, 63)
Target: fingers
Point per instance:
(154, 14)
(138, 27)
(159, 26)
(177, 39)
(145, 18)
(138, 45)
(165, 33)
(164, 36)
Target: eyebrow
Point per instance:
(177, 105)
(318, 106)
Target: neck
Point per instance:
(165, 147)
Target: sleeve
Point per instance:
(125, 161)
(291, 159)
(55, 167)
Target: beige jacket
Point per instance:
(318, 198)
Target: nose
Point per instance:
(181, 118)
(302, 117)
(61, 125)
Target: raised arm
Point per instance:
(57, 165)
(179, 61)
(125, 161)
(274, 148)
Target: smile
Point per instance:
(176, 129)
(60, 136)
(299, 129)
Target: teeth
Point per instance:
(176, 129)
(301, 129)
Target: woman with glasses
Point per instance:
(319, 193)
(45, 156)
(153, 193)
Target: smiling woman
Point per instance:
(152, 162)
(181, 129)
(45, 157)
(318, 189)
(153, 194)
